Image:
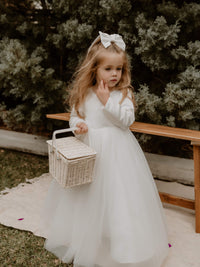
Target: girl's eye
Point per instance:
(119, 68)
(107, 68)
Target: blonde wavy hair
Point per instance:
(85, 77)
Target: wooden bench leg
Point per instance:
(196, 154)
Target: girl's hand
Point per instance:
(82, 128)
(103, 92)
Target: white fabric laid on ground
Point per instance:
(20, 208)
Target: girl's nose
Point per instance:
(114, 72)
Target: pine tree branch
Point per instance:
(44, 6)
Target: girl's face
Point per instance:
(110, 69)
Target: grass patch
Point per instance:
(16, 166)
(22, 248)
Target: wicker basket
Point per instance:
(71, 162)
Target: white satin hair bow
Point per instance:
(106, 40)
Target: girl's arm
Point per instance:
(121, 115)
(76, 121)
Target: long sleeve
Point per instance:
(121, 115)
(74, 119)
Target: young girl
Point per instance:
(117, 220)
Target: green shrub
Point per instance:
(43, 41)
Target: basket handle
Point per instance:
(59, 132)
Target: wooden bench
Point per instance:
(178, 133)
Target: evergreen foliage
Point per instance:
(43, 41)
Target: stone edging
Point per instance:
(23, 142)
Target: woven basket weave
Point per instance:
(71, 162)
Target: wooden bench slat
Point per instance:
(176, 200)
(153, 129)
(195, 143)
(165, 131)
(59, 116)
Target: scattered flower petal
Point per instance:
(169, 245)
(20, 219)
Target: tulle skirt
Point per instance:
(118, 219)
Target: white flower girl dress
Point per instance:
(118, 219)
